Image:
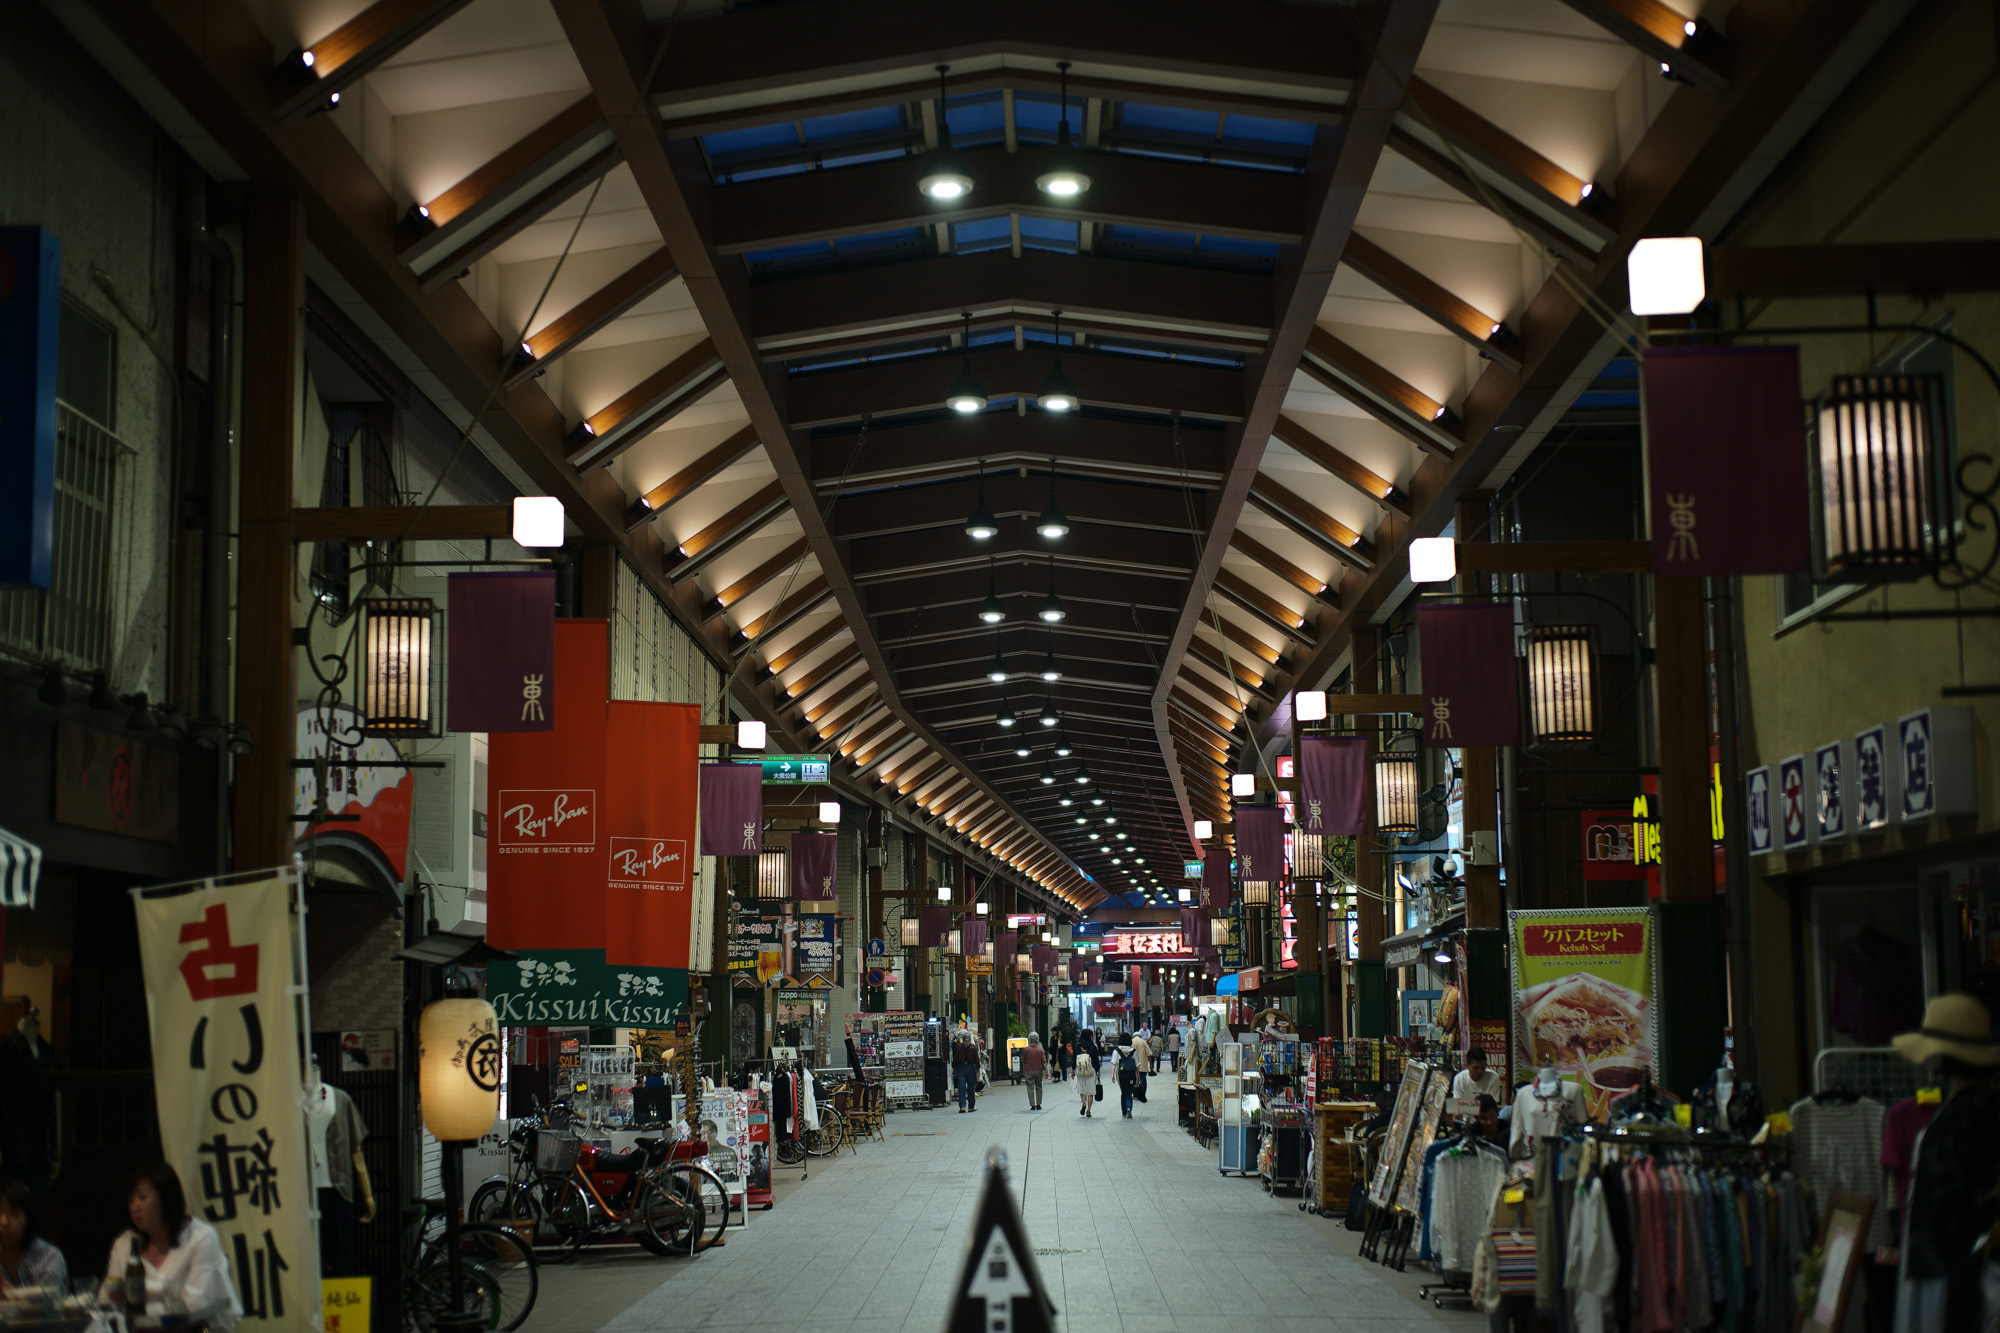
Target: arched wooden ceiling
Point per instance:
(1329, 275)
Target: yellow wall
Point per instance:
(1906, 156)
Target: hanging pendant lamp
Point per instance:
(1051, 609)
(1058, 391)
(1005, 716)
(1051, 672)
(997, 673)
(1062, 743)
(966, 394)
(1065, 173)
(1053, 523)
(992, 610)
(1049, 715)
(981, 525)
(1048, 774)
(946, 178)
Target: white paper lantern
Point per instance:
(751, 735)
(1664, 275)
(538, 521)
(1204, 829)
(458, 1061)
(1433, 560)
(1309, 705)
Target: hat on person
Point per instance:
(1954, 1025)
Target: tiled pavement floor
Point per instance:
(1135, 1232)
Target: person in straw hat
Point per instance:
(1948, 1278)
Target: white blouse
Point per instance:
(193, 1279)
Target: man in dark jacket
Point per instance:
(965, 1070)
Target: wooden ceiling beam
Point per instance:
(692, 477)
(1242, 639)
(1127, 189)
(805, 647)
(629, 417)
(1263, 555)
(1021, 648)
(935, 682)
(1332, 461)
(1102, 380)
(737, 59)
(343, 57)
(590, 316)
(1540, 227)
(1487, 334)
(1479, 140)
(1233, 667)
(1694, 52)
(724, 533)
(842, 696)
(756, 578)
(799, 603)
(837, 662)
(955, 446)
(1021, 574)
(919, 554)
(1267, 610)
(1309, 521)
(510, 192)
(1152, 299)
(1016, 501)
(1338, 172)
(1409, 411)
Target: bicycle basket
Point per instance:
(556, 1152)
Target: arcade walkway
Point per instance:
(1134, 1229)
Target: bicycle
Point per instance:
(595, 1193)
(498, 1276)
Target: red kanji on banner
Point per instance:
(241, 960)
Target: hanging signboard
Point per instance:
(796, 768)
(1607, 846)
(1585, 981)
(576, 986)
(756, 952)
(819, 948)
(219, 962)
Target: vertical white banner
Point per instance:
(220, 964)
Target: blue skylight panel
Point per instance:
(724, 142)
(880, 119)
(1179, 120)
(1265, 130)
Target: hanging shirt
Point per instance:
(1592, 1268)
(1536, 1115)
(1838, 1146)
(1876, 993)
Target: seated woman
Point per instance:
(26, 1260)
(186, 1270)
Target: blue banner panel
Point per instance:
(30, 310)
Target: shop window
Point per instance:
(1873, 975)
(1801, 596)
(87, 364)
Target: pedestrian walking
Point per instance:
(964, 1070)
(1174, 1048)
(1068, 1064)
(1128, 1078)
(1086, 1080)
(1033, 1061)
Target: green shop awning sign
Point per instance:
(799, 768)
(576, 986)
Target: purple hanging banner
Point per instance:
(500, 635)
(1726, 460)
(972, 938)
(1471, 686)
(732, 810)
(1260, 842)
(1212, 966)
(1005, 945)
(1045, 960)
(1333, 784)
(1215, 879)
(812, 865)
(934, 924)
(1093, 975)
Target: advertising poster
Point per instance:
(725, 1127)
(1584, 984)
(819, 947)
(756, 948)
(219, 962)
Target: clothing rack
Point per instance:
(789, 1073)
(1454, 1285)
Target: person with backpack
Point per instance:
(965, 1070)
(1128, 1078)
(1086, 1080)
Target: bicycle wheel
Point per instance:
(498, 1279)
(564, 1222)
(670, 1215)
(788, 1152)
(502, 1200)
(703, 1182)
(824, 1141)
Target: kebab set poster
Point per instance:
(1585, 982)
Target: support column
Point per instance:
(1694, 990)
(1308, 952)
(1372, 1000)
(920, 887)
(875, 1000)
(1482, 882)
(267, 695)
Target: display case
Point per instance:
(1336, 1155)
(1281, 1156)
